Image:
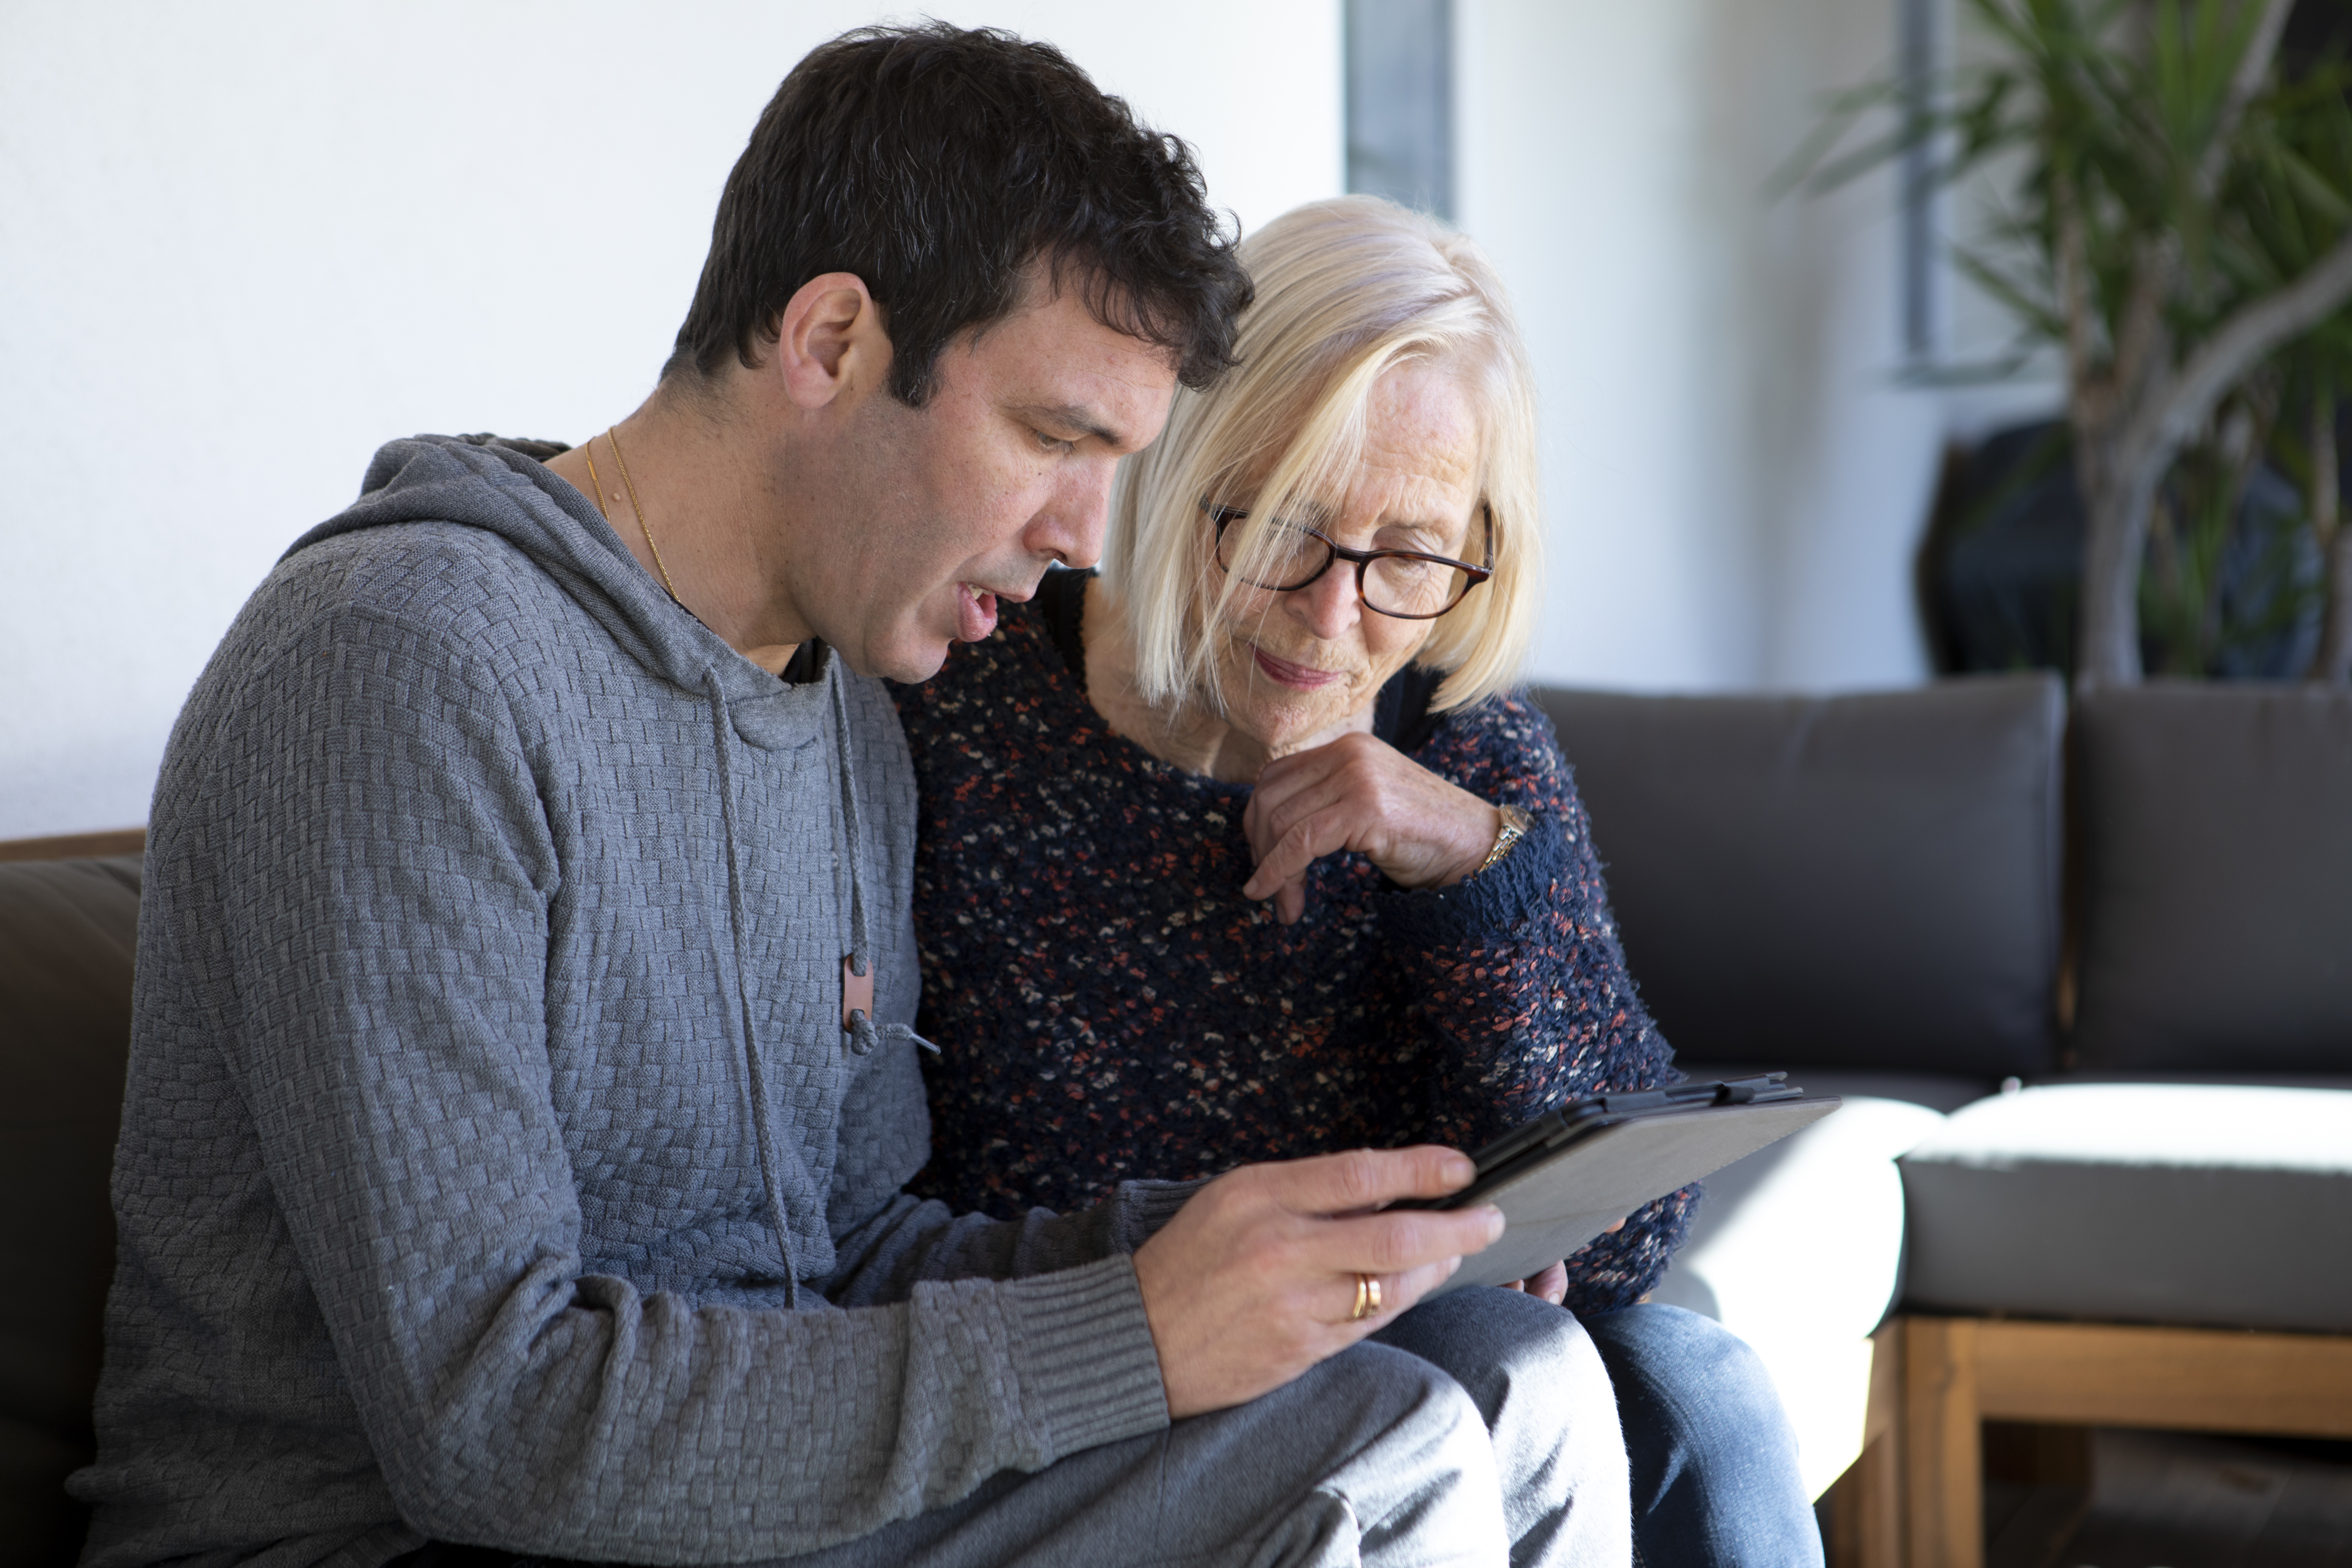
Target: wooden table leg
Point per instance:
(1943, 1450)
(1869, 1506)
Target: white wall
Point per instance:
(1581, 137)
(1736, 483)
(244, 244)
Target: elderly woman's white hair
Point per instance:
(1347, 290)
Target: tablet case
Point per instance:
(1566, 1177)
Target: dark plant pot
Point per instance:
(2002, 570)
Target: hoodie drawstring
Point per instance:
(863, 1034)
(762, 1121)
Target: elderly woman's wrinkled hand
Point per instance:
(1359, 792)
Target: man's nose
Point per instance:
(1327, 606)
(1071, 525)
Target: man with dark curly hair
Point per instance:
(522, 1085)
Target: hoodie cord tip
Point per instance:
(865, 1035)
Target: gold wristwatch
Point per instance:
(1515, 824)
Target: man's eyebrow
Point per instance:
(1074, 416)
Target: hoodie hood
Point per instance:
(498, 486)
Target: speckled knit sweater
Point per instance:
(1108, 1005)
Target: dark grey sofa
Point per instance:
(2109, 949)
(1868, 890)
(1874, 891)
(1852, 885)
(66, 933)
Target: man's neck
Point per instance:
(687, 497)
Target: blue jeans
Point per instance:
(1713, 1460)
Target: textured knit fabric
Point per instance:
(1108, 1005)
(494, 1164)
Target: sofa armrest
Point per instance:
(1799, 1250)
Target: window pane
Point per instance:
(1401, 101)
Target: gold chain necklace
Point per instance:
(612, 436)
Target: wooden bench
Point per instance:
(1916, 1497)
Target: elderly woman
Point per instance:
(1250, 847)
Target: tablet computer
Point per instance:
(1572, 1173)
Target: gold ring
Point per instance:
(1368, 1298)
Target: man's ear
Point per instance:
(830, 339)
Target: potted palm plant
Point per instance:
(2177, 225)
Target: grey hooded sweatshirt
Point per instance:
(495, 1167)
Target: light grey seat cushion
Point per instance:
(2229, 1205)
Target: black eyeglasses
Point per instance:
(1404, 584)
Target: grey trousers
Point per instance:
(1485, 1431)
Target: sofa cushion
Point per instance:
(66, 935)
(2217, 842)
(2153, 1202)
(1862, 881)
